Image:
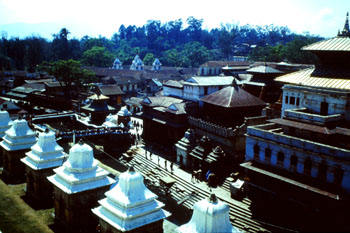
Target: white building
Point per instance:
(117, 64)
(130, 205)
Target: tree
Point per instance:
(148, 59)
(97, 56)
(69, 73)
(194, 28)
(60, 45)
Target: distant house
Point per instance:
(113, 92)
(164, 120)
(154, 86)
(214, 68)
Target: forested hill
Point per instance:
(171, 42)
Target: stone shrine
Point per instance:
(45, 155)
(130, 207)
(78, 184)
(17, 140)
(209, 216)
(5, 124)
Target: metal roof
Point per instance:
(110, 90)
(333, 44)
(305, 78)
(264, 70)
(232, 97)
(209, 81)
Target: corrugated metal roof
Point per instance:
(231, 97)
(209, 81)
(263, 70)
(333, 44)
(305, 78)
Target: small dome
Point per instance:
(19, 128)
(131, 189)
(117, 62)
(124, 112)
(47, 141)
(4, 118)
(80, 156)
(156, 62)
(209, 215)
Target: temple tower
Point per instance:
(78, 184)
(117, 64)
(17, 141)
(130, 207)
(156, 65)
(136, 64)
(45, 155)
(209, 216)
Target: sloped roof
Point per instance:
(174, 83)
(110, 90)
(209, 80)
(232, 97)
(305, 78)
(161, 101)
(225, 63)
(263, 70)
(333, 44)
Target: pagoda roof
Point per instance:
(340, 44)
(332, 80)
(232, 97)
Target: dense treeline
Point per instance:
(171, 42)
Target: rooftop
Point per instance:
(232, 97)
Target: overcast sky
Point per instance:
(103, 17)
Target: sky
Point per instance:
(103, 17)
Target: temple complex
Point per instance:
(78, 184)
(16, 142)
(304, 155)
(209, 216)
(45, 155)
(130, 207)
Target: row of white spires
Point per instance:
(128, 205)
(136, 64)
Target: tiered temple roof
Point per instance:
(46, 153)
(18, 137)
(130, 204)
(80, 172)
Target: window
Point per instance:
(205, 90)
(280, 158)
(338, 175)
(322, 170)
(293, 162)
(307, 166)
(256, 152)
(298, 101)
(324, 108)
(286, 99)
(267, 154)
(292, 100)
